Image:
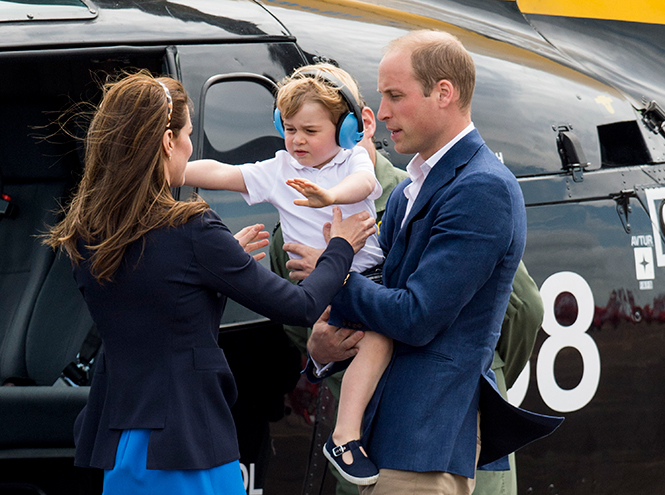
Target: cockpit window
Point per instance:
(45, 10)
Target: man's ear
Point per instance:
(367, 141)
(445, 92)
(369, 122)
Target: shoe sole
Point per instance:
(351, 479)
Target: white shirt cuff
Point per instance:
(320, 368)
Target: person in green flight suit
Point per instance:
(521, 323)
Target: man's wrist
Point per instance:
(320, 369)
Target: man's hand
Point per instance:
(354, 229)
(253, 237)
(300, 268)
(329, 344)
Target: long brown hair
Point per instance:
(124, 192)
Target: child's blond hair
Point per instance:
(300, 88)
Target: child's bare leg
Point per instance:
(358, 385)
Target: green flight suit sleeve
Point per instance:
(388, 176)
(521, 323)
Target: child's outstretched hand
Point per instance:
(317, 196)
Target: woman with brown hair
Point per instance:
(155, 274)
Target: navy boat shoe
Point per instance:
(361, 472)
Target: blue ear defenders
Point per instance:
(350, 128)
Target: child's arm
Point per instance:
(353, 189)
(211, 174)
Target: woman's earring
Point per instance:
(169, 157)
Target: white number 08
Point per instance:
(574, 336)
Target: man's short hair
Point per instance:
(298, 89)
(437, 55)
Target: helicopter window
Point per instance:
(238, 128)
(238, 123)
(622, 145)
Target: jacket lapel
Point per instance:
(441, 174)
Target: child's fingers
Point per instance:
(300, 182)
(301, 202)
(298, 188)
(302, 185)
(301, 191)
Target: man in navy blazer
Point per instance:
(453, 235)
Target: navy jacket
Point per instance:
(160, 366)
(447, 279)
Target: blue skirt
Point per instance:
(130, 476)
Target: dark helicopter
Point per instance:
(569, 97)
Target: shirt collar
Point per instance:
(340, 157)
(419, 168)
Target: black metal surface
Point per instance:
(615, 443)
(521, 90)
(626, 55)
(533, 73)
(146, 23)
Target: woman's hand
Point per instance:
(253, 237)
(355, 229)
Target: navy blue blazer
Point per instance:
(447, 279)
(160, 366)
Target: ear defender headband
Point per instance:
(350, 128)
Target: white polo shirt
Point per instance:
(266, 182)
